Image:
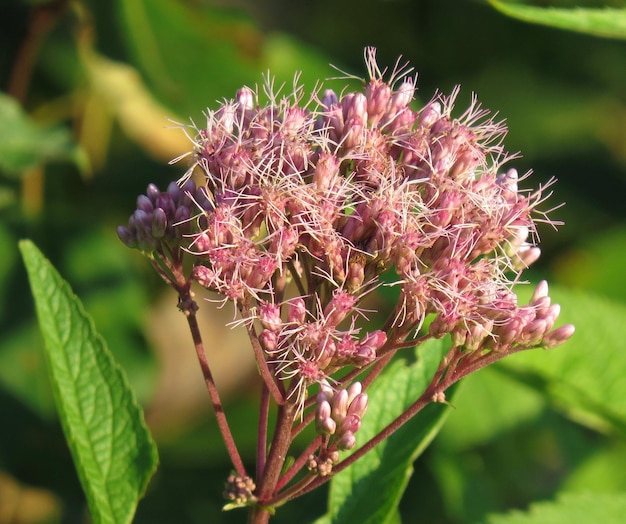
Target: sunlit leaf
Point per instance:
(606, 22)
(510, 402)
(103, 423)
(585, 377)
(607, 509)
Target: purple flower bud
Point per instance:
(152, 192)
(175, 192)
(188, 187)
(526, 256)
(350, 424)
(141, 220)
(533, 332)
(159, 223)
(145, 241)
(166, 203)
(551, 315)
(145, 204)
(126, 237)
(402, 97)
(329, 98)
(370, 344)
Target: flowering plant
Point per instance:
(295, 211)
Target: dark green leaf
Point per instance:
(606, 22)
(24, 145)
(103, 423)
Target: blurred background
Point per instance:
(91, 93)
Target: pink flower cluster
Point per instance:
(331, 193)
(304, 203)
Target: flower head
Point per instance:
(328, 193)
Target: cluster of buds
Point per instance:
(303, 204)
(239, 490)
(162, 218)
(339, 414)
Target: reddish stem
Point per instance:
(299, 463)
(261, 448)
(264, 370)
(220, 416)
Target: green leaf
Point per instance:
(369, 491)
(607, 509)
(103, 423)
(605, 22)
(585, 377)
(597, 473)
(511, 404)
(24, 145)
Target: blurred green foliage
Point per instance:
(90, 93)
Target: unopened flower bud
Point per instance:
(338, 307)
(296, 311)
(245, 98)
(540, 291)
(370, 344)
(402, 96)
(329, 98)
(558, 336)
(378, 95)
(269, 315)
(159, 223)
(205, 276)
(353, 390)
(269, 340)
(145, 204)
(430, 114)
(127, 237)
(347, 441)
(340, 405)
(525, 256)
(324, 423)
(152, 192)
(358, 406)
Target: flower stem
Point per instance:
(261, 448)
(220, 416)
(278, 452)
